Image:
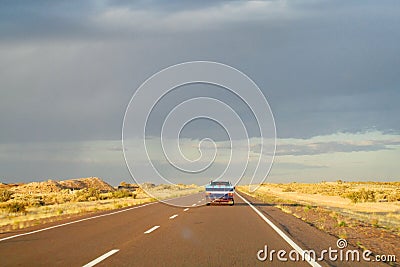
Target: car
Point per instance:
(220, 192)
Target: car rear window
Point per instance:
(220, 183)
(212, 189)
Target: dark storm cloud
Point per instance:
(323, 67)
(36, 20)
(68, 69)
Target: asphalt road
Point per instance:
(157, 234)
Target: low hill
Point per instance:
(92, 182)
(8, 186)
(51, 186)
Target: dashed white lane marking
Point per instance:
(152, 229)
(186, 209)
(308, 258)
(194, 205)
(173, 216)
(199, 201)
(101, 258)
(77, 221)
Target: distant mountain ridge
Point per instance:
(57, 186)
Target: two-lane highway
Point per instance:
(217, 235)
(157, 234)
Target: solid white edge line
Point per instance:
(173, 216)
(77, 221)
(186, 209)
(282, 234)
(101, 258)
(152, 229)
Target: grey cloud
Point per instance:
(98, 20)
(316, 148)
(323, 73)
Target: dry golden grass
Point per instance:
(20, 210)
(34, 214)
(355, 191)
(59, 207)
(367, 225)
(372, 202)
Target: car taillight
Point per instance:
(230, 194)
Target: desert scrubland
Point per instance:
(24, 205)
(366, 214)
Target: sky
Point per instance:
(330, 71)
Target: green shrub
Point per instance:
(35, 202)
(288, 189)
(361, 196)
(307, 207)
(87, 194)
(104, 196)
(93, 193)
(122, 194)
(5, 195)
(117, 205)
(394, 196)
(16, 207)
